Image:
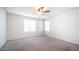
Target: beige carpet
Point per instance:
(40, 43)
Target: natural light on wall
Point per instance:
(29, 25)
(47, 25)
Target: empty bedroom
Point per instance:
(39, 28)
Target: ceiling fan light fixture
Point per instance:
(41, 10)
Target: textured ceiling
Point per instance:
(30, 12)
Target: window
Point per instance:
(47, 25)
(29, 25)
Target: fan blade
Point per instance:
(47, 11)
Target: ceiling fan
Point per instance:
(42, 10)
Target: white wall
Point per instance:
(16, 27)
(2, 27)
(65, 26)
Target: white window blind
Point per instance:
(47, 25)
(29, 25)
